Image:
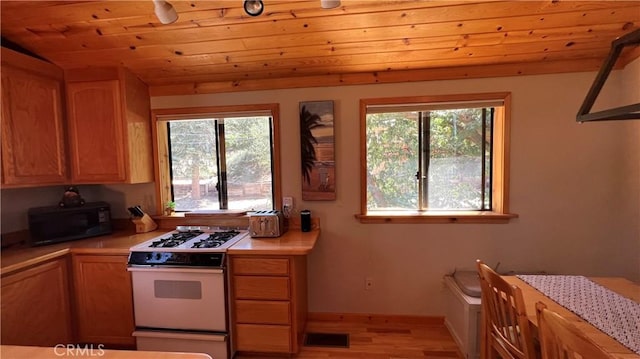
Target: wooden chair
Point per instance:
(560, 339)
(505, 328)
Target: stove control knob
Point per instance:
(158, 256)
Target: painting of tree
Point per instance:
(317, 151)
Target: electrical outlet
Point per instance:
(287, 202)
(368, 283)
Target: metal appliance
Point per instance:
(266, 224)
(53, 224)
(180, 296)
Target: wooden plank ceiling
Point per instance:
(215, 47)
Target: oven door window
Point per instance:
(177, 289)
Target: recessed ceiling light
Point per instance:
(253, 7)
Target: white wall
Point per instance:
(630, 79)
(573, 185)
(576, 188)
(17, 201)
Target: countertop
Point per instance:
(293, 242)
(27, 352)
(117, 243)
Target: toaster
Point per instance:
(266, 224)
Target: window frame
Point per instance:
(499, 212)
(160, 117)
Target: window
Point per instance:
(435, 159)
(218, 158)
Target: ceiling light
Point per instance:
(165, 12)
(329, 4)
(253, 7)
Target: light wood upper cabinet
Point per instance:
(33, 135)
(95, 129)
(104, 300)
(35, 305)
(109, 127)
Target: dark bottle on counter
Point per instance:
(305, 220)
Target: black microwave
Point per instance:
(56, 224)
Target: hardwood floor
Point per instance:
(379, 341)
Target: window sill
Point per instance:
(165, 216)
(396, 217)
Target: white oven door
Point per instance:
(179, 298)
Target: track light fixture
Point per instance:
(165, 12)
(329, 4)
(256, 7)
(253, 7)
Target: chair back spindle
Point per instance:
(506, 326)
(560, 339)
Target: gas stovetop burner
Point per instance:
(215, 240)
(174, 240)
(186, 246)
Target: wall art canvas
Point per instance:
(317, 151)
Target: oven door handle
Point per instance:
(175, 270)
(213, 337)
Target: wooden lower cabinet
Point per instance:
(35, 305)
(104, 300)
(263, 312)
(262, 287)
(263, 338)
(269, 298)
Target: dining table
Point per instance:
(619, 285)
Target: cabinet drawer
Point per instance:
(248, 287)
(262, 312)
(263, 338)
(269, 266)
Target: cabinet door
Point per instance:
(104, 300)
(260, 266)
(33, 142)
(96, 132)
(261, 287)
(263, 338)
(263, 312)
(35, 306)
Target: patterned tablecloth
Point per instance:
(617, 316)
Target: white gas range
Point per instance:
(180, 290)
